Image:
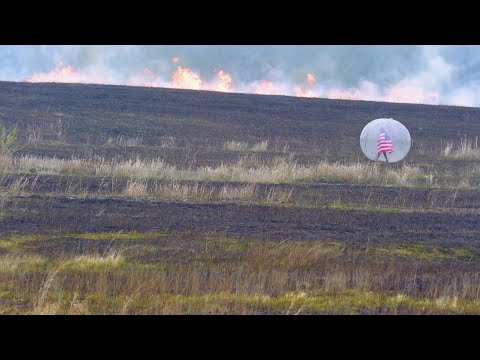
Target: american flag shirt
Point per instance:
(384, 143)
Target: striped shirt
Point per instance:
(384, 144)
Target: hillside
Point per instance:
(75, 119)
(129, 200)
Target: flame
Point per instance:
(59, 74)
(302, 91)
(184, 78)
(365, 91)
(145, 78)
(263, 87)
(348, 94)
(411, 93)
(223, 82)
(410, 90)
(311, 79)
(67, 74)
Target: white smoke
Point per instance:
(426, 74)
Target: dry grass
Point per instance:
(447, 151)
(245, 192)
(43, 132)
(96, 166)
(122, 140)
(174, 190)
(136, 188)
(19, 186)
(242, 277)
(468, 149)
(17, 263)
(232, 145)
(95, 261)
(248, 169)
(35, 137)
(5, 164)
(282, 169)
(168, 143)
(177, 191)
(259, 147)
(287, 170)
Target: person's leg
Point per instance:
(385, 154)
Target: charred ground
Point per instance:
(415, 246)
(78, 119)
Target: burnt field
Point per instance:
(133, 200)
(43, 216)
(184, 125)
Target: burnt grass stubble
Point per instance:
(76, 120)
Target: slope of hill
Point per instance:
(134, 200)
(71, 119)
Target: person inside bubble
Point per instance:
(384, 145)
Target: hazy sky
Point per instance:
(412, 74)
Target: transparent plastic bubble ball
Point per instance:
(385, 140)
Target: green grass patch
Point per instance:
(231, 244)
(129, 235)
(349, 302)
(18, 242)
(90, 263)
(428, 253)
(22, 264)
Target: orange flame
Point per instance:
(67, 74)
(407, 91)
(59, 74)
(184, 78)
(263, 87)
(349, 94)
(223, 82)
(311, 79)
(411, 93)
(302, 91)
(145, 78)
